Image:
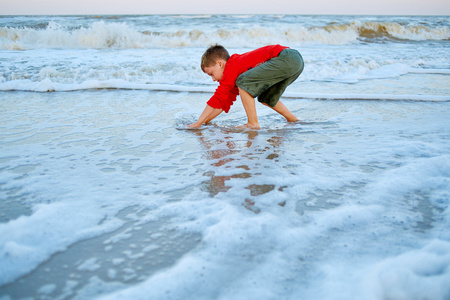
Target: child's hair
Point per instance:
(213, 54)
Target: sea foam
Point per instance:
(103, 35)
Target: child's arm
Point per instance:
(207, 115)
(214, 114)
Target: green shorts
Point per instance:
(269, 80)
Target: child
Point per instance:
(264, 73)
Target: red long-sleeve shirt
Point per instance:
(237, 64)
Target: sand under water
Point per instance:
(105, 193)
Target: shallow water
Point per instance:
(105, 193)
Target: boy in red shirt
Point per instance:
(264, 73)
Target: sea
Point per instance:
(106, 194)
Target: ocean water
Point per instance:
(104, 193)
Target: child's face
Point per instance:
(216, 71)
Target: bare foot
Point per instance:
(251, 126)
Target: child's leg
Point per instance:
(284, 111)
(269, 80)
(250, 109)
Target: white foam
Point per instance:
(48, 86)
(101, 35)
(25, 241)
(419, 274)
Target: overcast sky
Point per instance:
(370, 7)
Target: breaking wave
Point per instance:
(48, 86)
(104, 35)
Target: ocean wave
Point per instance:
(48, 85)
(392, 31)
(104, 35)
(99, 35)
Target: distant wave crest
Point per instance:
(104, 35)
(376, 30)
